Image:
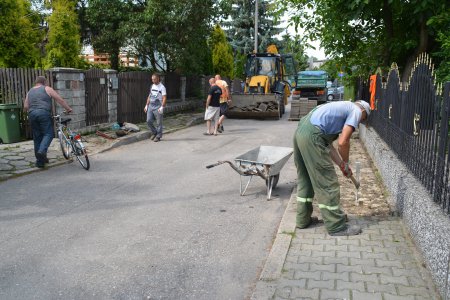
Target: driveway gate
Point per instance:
(132, 94)
(96, 97)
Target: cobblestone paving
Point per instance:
(379, 264)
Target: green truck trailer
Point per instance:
(310, 91)
(311, 85)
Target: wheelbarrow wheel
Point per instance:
(274, 180)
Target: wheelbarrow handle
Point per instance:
(216, 164)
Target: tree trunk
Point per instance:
(422, 47)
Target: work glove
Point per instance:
(345, 168)
(161, 110)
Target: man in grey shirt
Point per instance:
(38, 104)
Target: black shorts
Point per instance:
(223, 108)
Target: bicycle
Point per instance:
(70, 142)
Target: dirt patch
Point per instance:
(372, 196)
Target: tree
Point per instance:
(368, 34)
(63, 48)
(240, 29)
(19, 36)
(171, 34)
(107, 20)
(295, 45)
(222, 54)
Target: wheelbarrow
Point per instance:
(263, 161)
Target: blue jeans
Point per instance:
(42, 127)
(153, 115)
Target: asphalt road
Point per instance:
(148, 221)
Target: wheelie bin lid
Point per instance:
(8, 106)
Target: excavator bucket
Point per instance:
(256, 106)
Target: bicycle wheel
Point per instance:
(65, 144)
(81, 155)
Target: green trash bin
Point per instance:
(9, 123)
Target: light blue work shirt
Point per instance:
(332, 117)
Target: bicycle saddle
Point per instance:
(65, 120)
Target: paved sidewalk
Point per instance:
(18, 158)
(381, 263)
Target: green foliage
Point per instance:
(19, 34)
(295, 46)
(364, 35)
(107, 21)
(171, 34)
(222, 55)
(63, 46)
(441, 23)
(241, 28)
(239, 65)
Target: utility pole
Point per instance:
(256, 26)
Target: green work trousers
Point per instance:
(316, 176)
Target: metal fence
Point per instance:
(413, 119)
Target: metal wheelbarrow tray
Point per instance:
(263, 161)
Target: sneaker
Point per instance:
(157, 139)
(39, 165)
(348, 230)
(152, 137)
(46, 159)
(221, 128)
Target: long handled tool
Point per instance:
(357, 181)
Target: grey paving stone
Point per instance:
(312, 247)
(325, 242)
(373, 287)
(3, 161)
(413, 291)
(362, 262)
(383, 237)
(321, 284)
(6, 167)
(344, 241)
(307, 275)
(323, 254)
(395, 297)
(347, 285)
(352, 248)
(296, 241)
(336, 260)
(296, 266)
(334, 276)
(348, 254)
(364, 277)
(305, 293)
(305, 235)
(388, 263)
(324, 267)
(310, 259)
(293, 251)
(394, 279)
(333, 294)
(13, 157)
(336, 247)
(377, 270)
(357, 295)
(374, 255)
(370, 243)
(18, 163)
(416, 281)
(352, 269)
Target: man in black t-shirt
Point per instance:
(212, 107)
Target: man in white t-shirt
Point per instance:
(156, 101)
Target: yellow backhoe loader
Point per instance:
(269, 78)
